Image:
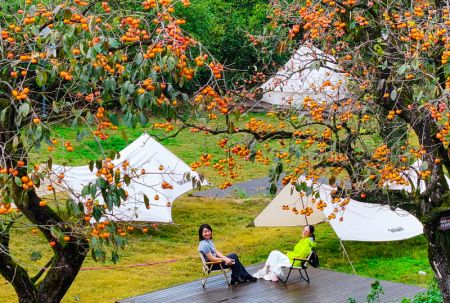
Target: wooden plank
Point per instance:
(326, 286)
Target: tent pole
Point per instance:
(346, 254)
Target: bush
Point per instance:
(432, 295)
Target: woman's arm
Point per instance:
(227, 260)
(212, 258)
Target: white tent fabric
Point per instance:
(372, 222)
(143, 153)
(299, 79)
(361, 221)
(273, 215)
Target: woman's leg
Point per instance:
(276, 261)
(238, 271)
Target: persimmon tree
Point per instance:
(71, 62)
(389, 131)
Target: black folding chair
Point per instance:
(302, 267)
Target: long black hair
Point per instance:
(311, 232)
(200, 231)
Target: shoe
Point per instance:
(237, 281)
(251, 279)
(260, 273)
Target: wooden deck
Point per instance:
(326, 287)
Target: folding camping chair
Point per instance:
(303, 266)
(208, 269)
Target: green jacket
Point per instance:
(302, 249)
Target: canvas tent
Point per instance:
(144, 153)
(302, 77)
(361, 221)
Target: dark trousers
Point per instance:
(238, 270)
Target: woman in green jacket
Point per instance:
(277, 259)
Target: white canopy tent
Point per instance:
(361, 221)
(301, 77)
(143, 153)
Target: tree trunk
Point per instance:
(439, 250)
(67, 259)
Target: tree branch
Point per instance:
(42, 270)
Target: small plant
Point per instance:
(240, 193)
(375, 290)
(432, 295)
(374, 295)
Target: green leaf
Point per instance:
(171, 64)
(100, 255)
(67, 14)
(98, 164)
(110, 84)
(97, 212)
(73, 208)
(119, 241)
(18, 181)
(279, 168)
(273, 188)
(56, 232)
(85, 190)
(3, 115)
(139, 58)
(114, 256)
(92, 189)
(38, 132)
(92, 25)
(15, 142)
(101, 183)
(394, 95)
(41, 78)
(49, 163)
(122, 194)
(109, 202)
(424, 166)
(113, 118)
(91, 165)
(402, 69)
(24, 109)
(126, 179)
(146, 201)
(113, 43)
(81, 135)
(143, 119)
(89, 118)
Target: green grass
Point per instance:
(186, 145)
(394, 261)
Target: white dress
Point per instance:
(273, 267)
